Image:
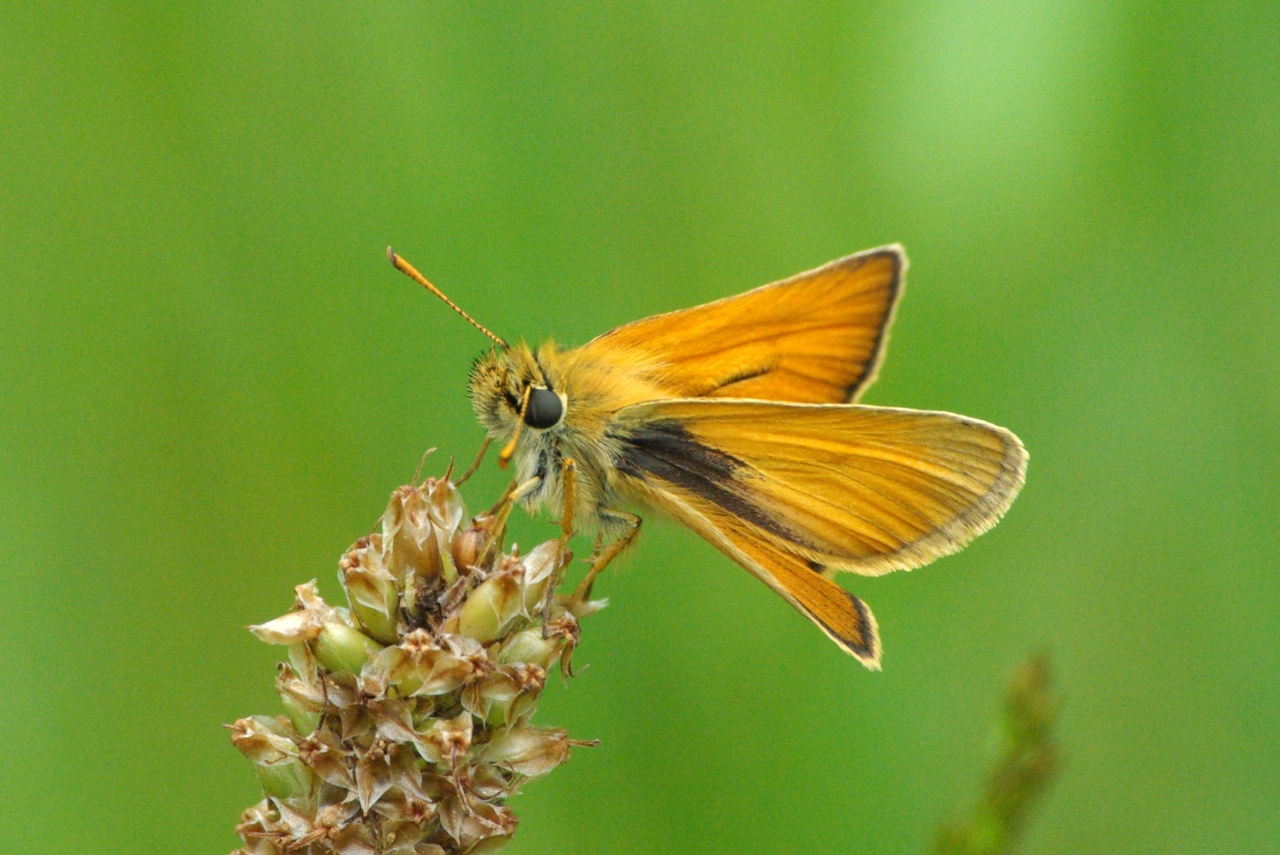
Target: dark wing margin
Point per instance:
(842, 617)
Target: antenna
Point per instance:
(408, 270)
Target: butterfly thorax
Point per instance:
(592, 389)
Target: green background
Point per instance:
(210, 379)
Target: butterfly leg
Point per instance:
(502, 511)
(484, 447)
(602, 559)
(569, 482)
(569, 478)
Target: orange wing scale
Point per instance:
(816, 337)
(790, 490)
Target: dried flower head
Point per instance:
(407, 713)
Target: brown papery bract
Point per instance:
(408, 711)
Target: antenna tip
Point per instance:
(391, 256)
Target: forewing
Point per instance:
(866, 489)
(817, 337)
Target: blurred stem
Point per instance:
(1029, 761)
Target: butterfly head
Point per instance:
(512, 394)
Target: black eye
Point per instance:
(544, 409)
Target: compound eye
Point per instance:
(545, 409)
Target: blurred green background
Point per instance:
(210, 379)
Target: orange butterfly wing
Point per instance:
(789, 490)
(817, 337)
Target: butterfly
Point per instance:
(738, 418)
